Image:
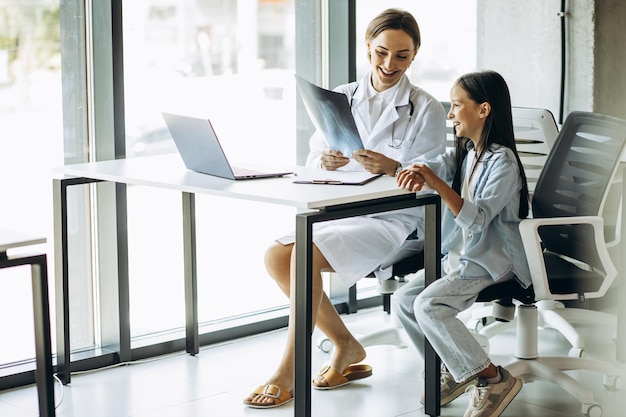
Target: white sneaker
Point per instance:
(490, 400)
(450, 389)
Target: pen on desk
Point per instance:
(329, 181)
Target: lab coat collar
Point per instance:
(390, 114)
(401, 98)
(403, 94)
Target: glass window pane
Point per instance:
(16, 310)
(30, 146)
(448, 32)
(233, 63)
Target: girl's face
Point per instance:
(467, 116)
(391, 54)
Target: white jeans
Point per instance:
(431, 312)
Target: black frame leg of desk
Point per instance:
(43, 348)
(191, 276)
(61, 278)
(432, 271)
(61, 261)
(303, 291)
(41, 313)
(303, 319)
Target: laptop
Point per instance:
(201, 151)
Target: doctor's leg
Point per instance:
(280, 264)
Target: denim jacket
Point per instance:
(494, 246)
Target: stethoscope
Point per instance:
(393, 143)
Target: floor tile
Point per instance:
(214, 382)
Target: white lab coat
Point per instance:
(355, 247)
(425, 134)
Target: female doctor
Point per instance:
(400, 124)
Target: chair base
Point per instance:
(555, 315)
(552, 315)
(551, 368)
(391, 336)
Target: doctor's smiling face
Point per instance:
(390, 54)
(392, 38)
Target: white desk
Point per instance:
(317, 203)
(41, 307)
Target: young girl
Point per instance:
(400, 124)
(485, 203)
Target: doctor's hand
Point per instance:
(332, 159)
(375, 162)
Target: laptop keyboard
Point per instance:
(244, 172)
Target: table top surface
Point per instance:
(168, 171)
(12, 239)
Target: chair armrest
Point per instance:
(613, 212)
(529, 230)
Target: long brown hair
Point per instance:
(490, 87)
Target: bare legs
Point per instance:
(280, 264)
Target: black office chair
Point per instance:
(408, 259)
(535, 132)
(565, 247)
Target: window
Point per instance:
(228, 60)
(448, 50)
(31, 144)
(233, 63)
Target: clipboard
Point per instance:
(330, 113)
(338, 178)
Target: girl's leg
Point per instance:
(432, 312)
(436, 310)
(403, 300)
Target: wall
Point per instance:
(610, 58)
(522, 41)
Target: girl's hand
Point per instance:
(414, 178)
(410, 180)
(332, 159)
(374, 162)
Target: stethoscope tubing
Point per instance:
(392, 143)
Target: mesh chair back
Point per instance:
(575, 180)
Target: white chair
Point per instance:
(565, 247)
(535, 131)
(553, 314)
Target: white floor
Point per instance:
(214, 382)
